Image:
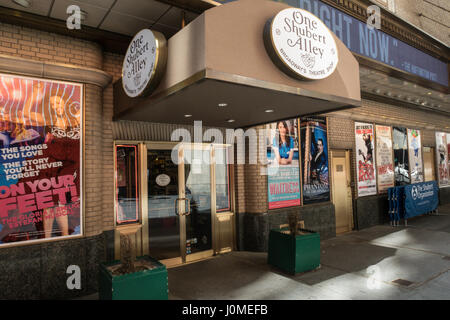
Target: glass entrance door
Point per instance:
(179, 203)
(197, 191)
(163, 191)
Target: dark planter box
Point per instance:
(294, 254)
(141, 285)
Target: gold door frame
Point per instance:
(184, 258)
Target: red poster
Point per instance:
(40, 159)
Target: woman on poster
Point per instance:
(63, 145)
(283, 144)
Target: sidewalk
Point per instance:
(381, 262)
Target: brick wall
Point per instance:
(44, 46)
(255, 182)
(93, 160)
(112, 64)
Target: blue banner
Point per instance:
(374, 44)
(420, 198)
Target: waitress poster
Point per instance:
(40, 159)
(283, 164)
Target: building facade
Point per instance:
(126, 172)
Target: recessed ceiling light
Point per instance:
(188, 115)
(230, 120)
(428, 93)
(23, 3)
(222, 104)
(269, 110)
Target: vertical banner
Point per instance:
(415, 156)
(314, 147)
(40, 159)
(283, 164)
(401, 163)
(442, 159)
(365, 161)
(384, 161)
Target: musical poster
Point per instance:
(40, 159)
(365, 161)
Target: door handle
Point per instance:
(186, 201)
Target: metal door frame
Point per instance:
(184, 258)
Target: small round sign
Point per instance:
(144, 63)
(300, 44)
(162, 180)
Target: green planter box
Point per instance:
(141, 285)
(294, 255)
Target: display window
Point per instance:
(127, 195)
(41, 125)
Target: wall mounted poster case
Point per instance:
(40, 159)
(365, 161)
(283, 164)
(442, 159)
(415, 156)
(384, 158)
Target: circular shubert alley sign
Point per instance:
(162, 180)
(144, 63)
(300, 44)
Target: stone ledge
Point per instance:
(55, 71)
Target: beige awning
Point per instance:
(220, 58)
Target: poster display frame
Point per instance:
(330, 200)
(392, 156)
(440, 185)
(299, 167)
(82, 193)
(421, 155)
(356, 160)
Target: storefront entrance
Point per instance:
(185, 195)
